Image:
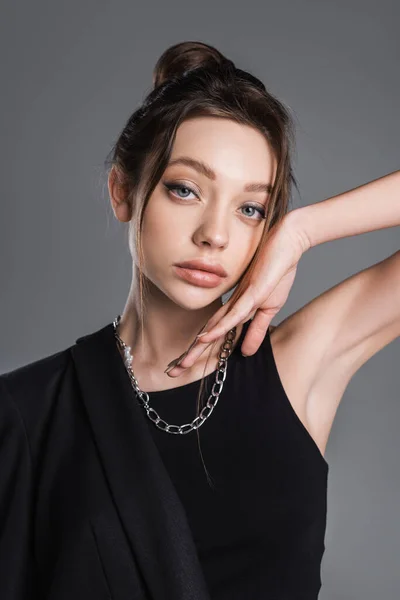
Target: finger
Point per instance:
(251, 343)
(176, 371)
(189, 360)
(221, 312)
(239, 313)
(254, 337)
(256, 332)
(197, 348)
(201, 344)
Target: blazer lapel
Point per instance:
(152, 514)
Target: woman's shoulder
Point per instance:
(28, 392)
(34, 374)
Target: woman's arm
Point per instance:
(374, 205)
(360, 315)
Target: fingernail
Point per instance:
(245, 355)
(175, 362)
(171, 366)
(201, 334)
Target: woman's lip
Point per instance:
(197, 277)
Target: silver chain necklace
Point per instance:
(212, 399)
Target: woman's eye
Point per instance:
(186, 189)
(260, 211)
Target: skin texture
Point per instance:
(180, 225)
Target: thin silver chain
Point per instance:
(212, 399)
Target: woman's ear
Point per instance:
(119, 196)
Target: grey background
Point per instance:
(71, 75)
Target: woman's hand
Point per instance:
(267, 292)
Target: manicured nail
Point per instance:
(171, 366)
(175, 362)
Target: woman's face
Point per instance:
(205, 212)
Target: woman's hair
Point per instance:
(195, 79)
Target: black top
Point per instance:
(97, 503)
(259, 526)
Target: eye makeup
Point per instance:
(170, 186)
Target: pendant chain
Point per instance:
(220, 376)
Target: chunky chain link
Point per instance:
(220, 376)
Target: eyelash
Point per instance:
(174, 186)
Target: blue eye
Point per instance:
(174, 186)
(257, 208)
(171, 187)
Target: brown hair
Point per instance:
(195, 79)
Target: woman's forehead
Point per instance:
(220, 148)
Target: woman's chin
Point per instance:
(195, 299)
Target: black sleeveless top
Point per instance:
(259, 526)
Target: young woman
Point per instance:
(124, 478)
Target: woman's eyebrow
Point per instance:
(204, 169)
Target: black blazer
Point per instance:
(87, 508)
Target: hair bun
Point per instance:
(185, 56)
